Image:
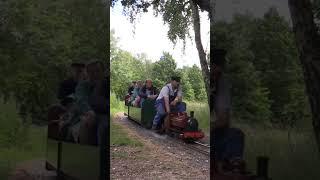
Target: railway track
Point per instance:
(194, 146)
(197, 146)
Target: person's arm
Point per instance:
(165, 92)
(166, 103)
(155, 93)
(179, 95)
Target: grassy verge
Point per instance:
(292, 157)
(19, 142)
(201, 113)
(118, 136)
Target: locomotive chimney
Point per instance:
(191, 114)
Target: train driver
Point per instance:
(169, 100)
(148, 91)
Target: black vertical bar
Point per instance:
(105, 129)
(59, 174)
(262, 167)
(104, 152)
(211, 96)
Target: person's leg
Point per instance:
(160, 113)
(180, 107)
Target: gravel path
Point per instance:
(32, 170)
(159, 158)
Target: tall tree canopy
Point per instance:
(125, 67)
(180, 16)
(39, 40)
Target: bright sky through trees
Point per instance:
(150, 37)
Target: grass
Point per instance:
(118, 136)
(19, 142)
(292, 158)
(201, 113)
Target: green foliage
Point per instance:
(12, 132)
(126, 68)
(39, 39)
(163, 69)
(188, 91)
(263, 66)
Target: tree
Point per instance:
(196, 80)
(275, 56)
(188, 91)
(179, 15)
(163, 69)
(308, 44)
(250, 101)
(39, 40)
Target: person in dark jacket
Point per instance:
(131, 88)
(68, 86)
(148, 91)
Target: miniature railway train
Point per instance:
(72, 160)
(186, 127)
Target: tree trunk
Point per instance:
(202, 54)
(308, 45)
(204, 4)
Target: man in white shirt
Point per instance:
(169, 100)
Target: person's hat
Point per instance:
(219, 56)
(175, 78)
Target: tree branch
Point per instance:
(202, 54)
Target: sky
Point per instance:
(150, 37)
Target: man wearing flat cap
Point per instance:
(169, 100)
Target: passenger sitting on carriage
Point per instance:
(228, 142)
(148, 91)
(131, 88)
(92, 105)
(68, 86)
(169, 100)
(135, 98)
(130, 92)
